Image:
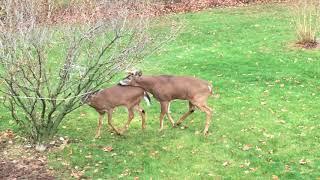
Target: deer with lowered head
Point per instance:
(106, 100)
(166, 88)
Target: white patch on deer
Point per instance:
(210, 89)
(123, 83)
(146, 99)
(169, 108)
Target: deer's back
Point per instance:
(117, 96)
(180, 87)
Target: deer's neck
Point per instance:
(147, 83)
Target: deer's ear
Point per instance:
(139, 73)
(129, 72)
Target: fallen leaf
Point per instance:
(88, 157)
(287, 168)
(247, 162)
(274, 177)
(258, 148)
(303, 161)
(246, 147)
(77, 174)
(226, 163)
(253, 169)
(271, 136)
(107, 149)
(154, 153)
(281, 121)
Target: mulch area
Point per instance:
(24, 169)
(82, 12)
(21, 162)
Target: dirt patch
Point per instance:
(89, 11)
(309, 45)
(24, 169)
(20, 162)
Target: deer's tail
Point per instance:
(147, 98)
(210, 88)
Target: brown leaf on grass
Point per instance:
(126, 172)
(6, 135)
(88, 156)
(275, 177)
(245, 164)
(258, 148)
(154, 153)
(77, 174)
(107, 149)
(281, 121)
(226, 163)
(303, 161)
(246, 147)
(253, 169)
(287, 168)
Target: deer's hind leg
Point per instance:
(202, 105)
(130, 117)
(110, 122)
(185, 115)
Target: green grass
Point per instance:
(266, 117)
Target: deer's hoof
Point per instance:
(206, 132)
(183, 127)
(119, 133)
(97, 136)
(177, 124)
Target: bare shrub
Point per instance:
(306, 18)
(46, 69)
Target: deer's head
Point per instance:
(131, 79)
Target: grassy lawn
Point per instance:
(266, 120)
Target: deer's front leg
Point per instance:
(164, 108)
(191, 110)
(99, 125)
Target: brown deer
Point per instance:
(167, 88)
(104, 101)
